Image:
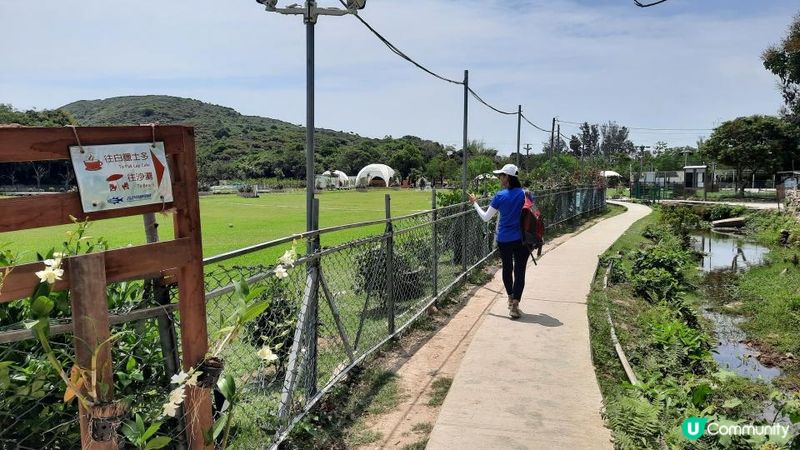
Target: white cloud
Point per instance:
(663, 67)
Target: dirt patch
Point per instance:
(419, 360)
(423, 362)
(771, 357)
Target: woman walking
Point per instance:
(508, 202)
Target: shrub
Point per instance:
(653, 232)
(616, 274)
(671, 260)
(681, 220)
(655, 284)
(635, 423)
(371, 274)
(692, 345)
(448, 197)
(722, 211)
(275, 326)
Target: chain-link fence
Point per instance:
(333, 307)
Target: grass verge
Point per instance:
(654, 301)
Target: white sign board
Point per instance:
(121, 175)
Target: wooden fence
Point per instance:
(178, 261)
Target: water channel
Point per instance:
(722, 251)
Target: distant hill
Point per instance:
(234, 146)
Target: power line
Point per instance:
(645, 128)
(534, 125)
(399, 52)
(478, 97)
(647, 5)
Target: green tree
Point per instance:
(33, 118)
(784, 61)
(615, 140)
(403, 157)
(476, 147)
(560, 146)
(590, 140)
(751, 144)
(558, 170)
(575, 145)
(352, 158)
(479, 164)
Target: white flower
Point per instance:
(175, 398)
(288, 257)
(170, 409)
(55, 263)
(177, 395)
(266, 354)
(59, 255)
(281, 272)
(50, 275)
(179, 378)
(192, 381)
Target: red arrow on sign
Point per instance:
(159, 166)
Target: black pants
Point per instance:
(515, 257)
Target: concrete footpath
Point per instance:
(530, 383)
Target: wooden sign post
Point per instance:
(178, 260)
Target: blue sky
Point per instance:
(682, 64)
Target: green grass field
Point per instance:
(230, 222)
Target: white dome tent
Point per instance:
(485, 176)
(373, 174)
(337, 178)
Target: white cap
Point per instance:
(508, 169)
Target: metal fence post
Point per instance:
(315, 267)
(435, 244)
(465, 153)
(166, 324)
(390, 264)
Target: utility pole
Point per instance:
(464, 179)
(309, 311)
(552, 136)
(310, 20)
(310, 13)
(519, 126)
(558, 135)
(527, 154)
(466, 122)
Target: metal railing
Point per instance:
(361, 286)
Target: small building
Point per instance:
(662, 177)
(789, 178)
(694, 176)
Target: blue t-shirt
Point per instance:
(508, 203)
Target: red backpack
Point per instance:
(532, 225)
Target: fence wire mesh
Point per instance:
(329, 311)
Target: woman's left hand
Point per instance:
(472, 198)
